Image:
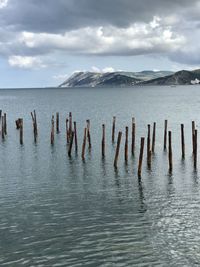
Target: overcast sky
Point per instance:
(44, 41)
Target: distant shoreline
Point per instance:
(98, 87)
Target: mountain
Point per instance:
(119, 78)
(182, 77)
(148, 74)
(92, 79)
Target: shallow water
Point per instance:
(56, 211)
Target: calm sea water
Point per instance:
(56, 211)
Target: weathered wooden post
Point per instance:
(165, 135)
(75, 137)
(141, 157)
(57, 123)
(52, 130)
(154, 138)
(2, 128)
(5, 124)
(193, 136)
(70, 124)
(17, 122)
(35, 125)
(117, 149)
(71, 144)
(113, 129)
(67, 130)
(34, 120)
(21, 132)
(195, 149)
(88, 134)
(182, 141)
(84, 144)
(103, 141)
(170, 151)
(133, 137)
(126, 146)
(149, 146)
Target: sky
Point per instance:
(42, 42)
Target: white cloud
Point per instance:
(62, 77)
(95, 69)
(3, 3)
(108, 69)
(104, 70)
(138, 38)
(25, 62)
(155, 22)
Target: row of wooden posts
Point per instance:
(71, 137)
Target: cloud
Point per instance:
(138, 38)
(108, 69)
(62, 77)
(104, 70)
(25, 62)
(95, 69)
(3, 3)
(61, 15)
(34, 28)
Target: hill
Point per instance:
(120, 78)
(182, 77)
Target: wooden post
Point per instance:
(17, 122)
(75, 137)
(21, 132)
(193, 136)
(84, 144)
(34, 120)
(141, 157)
(5, 124)
(35, 125)
(70, 124)
(149, 146)
(103, 141)
(154, 138)
(182, 141)
(2, 128)
(113, 129)
(126, 146)
(165, 135)
(195, 149)
(133, 137)
(88, 133)
(170, 151)
(52, 130)
(67, 130)
(71, 144)
(117, 149)
(57, 123)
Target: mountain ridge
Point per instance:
(123, 78)
(182, 77)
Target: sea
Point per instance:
(61, 211)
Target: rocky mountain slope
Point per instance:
(120, 79)
(182, 77)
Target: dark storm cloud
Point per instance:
(62, 15)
